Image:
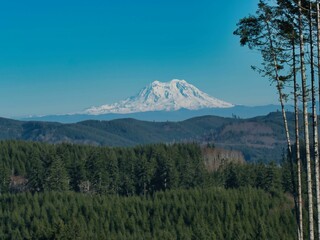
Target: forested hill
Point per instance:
(260, 138)
(157, 191)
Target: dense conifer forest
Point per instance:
(159, 191)
(213, 213)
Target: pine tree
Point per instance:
(37, 175)
(4, 179)
(57, 177)
(257, 33)
(113, 173)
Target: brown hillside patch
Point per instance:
(214, 158)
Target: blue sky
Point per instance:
(64, 56)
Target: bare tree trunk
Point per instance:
(318, 43)
(297, 200)
(306, 123)
(315, 120)
(298, 159)
(279, 88)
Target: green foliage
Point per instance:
(4, 179)
(263, 176)
(140, 170)
(146, 192)
(211, 213)
(57, 176)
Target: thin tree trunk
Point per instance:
(279, 88)
(318, 43)
(315, 118)
(298, 159)
(297, 201)
(306, 123)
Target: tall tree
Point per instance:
(314, 113)
(297, 140)
(305, 120)
(288, 33)
(318, 42)
(297, 144)
(261, 32)
(257, 33)
(318, 69)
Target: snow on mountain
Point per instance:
(163, 96)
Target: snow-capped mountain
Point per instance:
(162, 96)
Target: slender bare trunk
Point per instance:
(315, 122)
(318, 43)
(279, 88)
(306, 123)
(298, 159)
(297, 200)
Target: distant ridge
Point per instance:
(259, 138)
(179, 115)
(162, 96)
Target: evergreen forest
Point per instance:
(158, 191)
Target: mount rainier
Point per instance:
(162, 96)
(176, 100)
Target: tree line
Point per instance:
(130, 171)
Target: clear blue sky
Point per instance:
(64, 56)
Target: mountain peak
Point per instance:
(155, 83)
(178, 81)
(163, 96)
